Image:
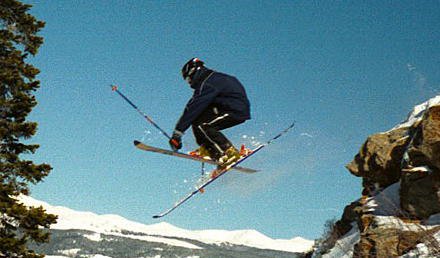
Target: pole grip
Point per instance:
(174, 142)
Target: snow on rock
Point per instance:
(399, 211)
(417, 112)
(161, 232)
(433, 219)
(386, 203)
(421, 251)
(344, 247)
(424, 250)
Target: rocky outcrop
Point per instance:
(424, 149)
(409, 154)
(400, 171)
(420, 177)
(379, 160)
(420, 192)
(381, 238)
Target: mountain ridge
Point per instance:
(162, 232)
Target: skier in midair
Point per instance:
(219, 101)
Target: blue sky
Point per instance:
(341, 69)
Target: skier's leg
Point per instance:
(200, 137)
(207, 132)
(225, 151)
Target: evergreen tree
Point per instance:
(19, 225)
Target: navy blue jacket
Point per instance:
(215, 89)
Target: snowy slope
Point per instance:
(161, 232)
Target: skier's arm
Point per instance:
(196, 105)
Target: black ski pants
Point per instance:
(207, 127)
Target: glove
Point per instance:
(176, 141)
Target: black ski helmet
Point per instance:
(190, 68)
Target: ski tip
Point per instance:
(156, 216)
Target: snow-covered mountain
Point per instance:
(85, 234)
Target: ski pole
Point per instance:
(115, 88)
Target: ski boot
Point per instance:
(201, 152)
(230, 156)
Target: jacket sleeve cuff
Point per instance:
(177, 132)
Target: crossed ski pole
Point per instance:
(115, 88)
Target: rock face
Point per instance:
(399, 211)
(425, 147)
(420, 191)
(379, 160)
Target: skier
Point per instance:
(219, 101)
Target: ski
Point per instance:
(216, 173)
(145, 147)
